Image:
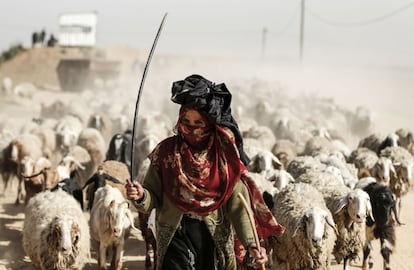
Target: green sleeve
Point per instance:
(239, 216)
(152, 192)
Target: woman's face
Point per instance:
(194, 127)
(194, 119)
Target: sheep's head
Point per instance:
(119, 218)
(383, 170)
(314, 222)
(359, 205)
(64, 235)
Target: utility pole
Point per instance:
(264, 33)
(302, 30)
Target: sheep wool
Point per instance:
(56, 232)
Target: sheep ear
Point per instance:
(252, 166)
(331, 223)
(126, 202)
(341, 204)
(298, 225)
(112, 204)
(131, 220)
(276, 162)
(369, 210)
(392, 168)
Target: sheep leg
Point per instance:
(367, 257)
(102, 256)
(5, 176)
(386, 250)
(346, 262)
(398, 203)
(154, 248)
(19, 191)
(118, 252)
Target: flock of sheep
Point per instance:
(325, 173)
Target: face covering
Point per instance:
(195, 136)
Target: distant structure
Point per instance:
(77, 29)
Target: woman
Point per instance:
(194, 181)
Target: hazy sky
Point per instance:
(335, 31)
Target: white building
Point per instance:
(77, 29)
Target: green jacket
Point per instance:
(222, 223)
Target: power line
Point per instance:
(288, 23)
(364, 22)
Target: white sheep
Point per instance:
(56, 232)
(6, 86)
(349, 209)
(285, 151)
(110, 223)
(93, 142)
(309, 237)
(263, 135)
(264, 160)
(302, 164)
(403, 163)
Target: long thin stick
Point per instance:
(141, 87)
(252, 223)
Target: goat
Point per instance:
(110, 223)
(383, 225)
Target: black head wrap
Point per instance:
(214, 100)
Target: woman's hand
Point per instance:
(134, 190)
(259, 256)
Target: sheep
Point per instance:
(110, 224)
(403, 162)
(405, 137)
(38, 176)
(143, 148)
(102, 122)
(349, 209)
(263, 135)
(316, 145)
(301, 164)
(6, 86)
(372, 142)
(369, 164)
(67, 131)
(285, 148)
(92, 141)
(25, 145)
(120, 148)
(70, 184)
(348, 172)
(307, 242)
(77, 159)
(8, 167)
(263, 161)
(376, 143)
(56, 232)
(361, 121)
